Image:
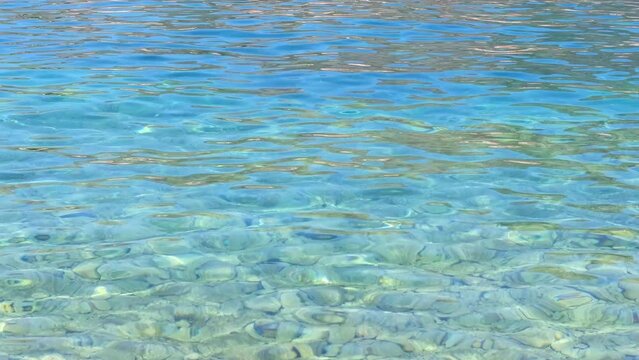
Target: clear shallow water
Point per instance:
(354, 179)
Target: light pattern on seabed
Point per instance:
(294, 179)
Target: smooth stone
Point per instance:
(532, 239)
(232, 307)
(42, 237)
(399, 252)
(104, 292)
(309, 275)
(140, 329)
(286, 352)
(52, 357)
(316, 315)
(239, 240)
(169, 246)
(380, 348)
(409, 302)
(101, 305)
(276, 330)
(360, 276)
(32, 326)
(78, 307)
(265, 303)
(538, 337)
(290, 300)
(341, 334)
(215, 271)
(179, 331)
(551, 300)
(630, 288)
(188, 223)
(178, 262)
(347, 260)
(223, 291)
(571, 348)
(326, 295)
(119, 270)
(290, 254)
(88, 269)
(470, 252)
(455, 340)
(425, 341)
(412, 280)
(131, 350)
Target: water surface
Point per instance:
(331, 179)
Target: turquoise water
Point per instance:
(336, 179)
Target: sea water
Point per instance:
(450, 179)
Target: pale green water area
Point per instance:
(446, 179)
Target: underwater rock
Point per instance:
(326, 295)
(541, 239)
(144, 328)
(168, 246)
(572, 348)
(215, 271)
(290, 254)
(265, 303)
(470, 252)
(42, 237)
(290, 299)
(131, 350)
(538, 337)
(341, 334)
(630, 288)
(119, 270)
(321, 316)
(599, 314)
(32, 326)
(176, 223)
(409, 302)
(398, 252)
(34, 283)
(303, 275)
(78, 307)
(274, 330)
(285, 352)
(412, 279)
(343, 260)
(500, 319)
(381, 348)
(179, 331)
(317, 236)
(88, 269)
(552, 302)
(362, 275)
(224, 291)
(424, 341)
(236, 240)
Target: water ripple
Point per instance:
(294, 179)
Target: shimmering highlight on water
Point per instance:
(293, 179)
